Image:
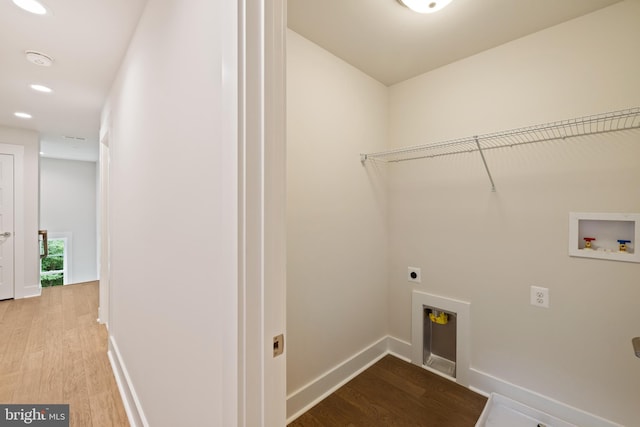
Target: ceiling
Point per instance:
(87, 40)
(391, 43)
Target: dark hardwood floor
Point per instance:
(393, 392)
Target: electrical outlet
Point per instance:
(413, 274)
(540, 296)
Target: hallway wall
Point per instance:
(174, 215)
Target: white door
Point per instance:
(6, 226)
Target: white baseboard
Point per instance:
(400, 349)
(311, 394)
(485, 384)
(28, 292)
(102, 317)
(127, 392)
(303, 399)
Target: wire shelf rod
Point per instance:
(589, 125)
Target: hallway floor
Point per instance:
(52, 350)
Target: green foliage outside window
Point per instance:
(56, 247)
(54, 279)
(54, 262)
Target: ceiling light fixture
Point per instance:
(32, 6)
(38, 58)
(22, 115)
(41, 88)
(425, 6)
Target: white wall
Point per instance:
(173, 215)
(489, 248)
(336, 212)
(68, 204)
(30, 285)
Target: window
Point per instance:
(54, 269)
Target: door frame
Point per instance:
(104, 254)
(262, 212)
(258, 92)
(17, 151)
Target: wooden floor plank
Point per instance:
(36, 339)
(3, 310)
(104, 408)
(69, 317)
(52, 350)
(308, 420)
(8, 385)
(75, 390)
(365, 404)
(14, 351)
(30, 374)
(396, 393)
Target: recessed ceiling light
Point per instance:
(42, 153)
(32, 6)
(41, 88)
(425, 6)
(22, 115)
(38, 58)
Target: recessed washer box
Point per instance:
(604, 233)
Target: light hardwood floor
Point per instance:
(52, 350)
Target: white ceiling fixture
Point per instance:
(425, 6)
(32, 6)
(41, 88)
(22, 115)
(392, 45)
(85, 42)
(39, 58)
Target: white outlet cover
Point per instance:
(540, 296)
(413, 274)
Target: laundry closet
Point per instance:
(528, 136)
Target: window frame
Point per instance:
(66, 257)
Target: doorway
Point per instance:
(7, 248)
(68, 211)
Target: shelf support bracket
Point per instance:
(486, 167)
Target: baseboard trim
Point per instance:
(303, 399)
(398, 348)
(28, 292)
(480, 382)
(127, 392)
(484, 383)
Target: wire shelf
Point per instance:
(589, 125)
